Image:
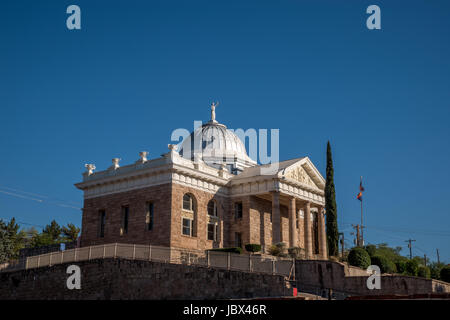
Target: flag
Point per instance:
(361, 189)
(359, 196)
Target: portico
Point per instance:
(295, 192)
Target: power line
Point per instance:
(26, 223)
(403, 230)
(37, 198)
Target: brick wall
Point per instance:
(126, 279)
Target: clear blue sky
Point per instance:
(139, 69)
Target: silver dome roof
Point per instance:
(216, 145)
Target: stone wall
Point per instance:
(201, 198)
(127, 279)
(315, 276)
(255, 226)
(137, 201)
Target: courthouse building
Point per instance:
(208, 194)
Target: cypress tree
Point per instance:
(330, 207)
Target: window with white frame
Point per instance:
(187, 227)
(188, 202)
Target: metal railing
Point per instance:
(212, 259)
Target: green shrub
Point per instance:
(232, 250)
(435, 270)
(424, 272)
(359, 257)
(412, 267)
(445, 273)
(401, 266)
(371, 250)
(278, 250)
(385, 265)
(295, 252)
(253, 247)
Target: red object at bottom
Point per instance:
(294, 292)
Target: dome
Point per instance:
(216, 145)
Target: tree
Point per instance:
(385, 264)
(6, 243)
(53, 230)
(424, 272)
(17, 237)
(70, 233)
(330, 207)
(28, 235)
(11, 240)
(359, 257)
(445, 273)
(412, 267)
(435, 270)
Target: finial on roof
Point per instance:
(115, 164)
(143, 156)
(213, 111)
(173, 147)
(89, 168)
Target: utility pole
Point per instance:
(361, 189)
(425, 260)
(358, 235)
(437, 252)
(410, 247)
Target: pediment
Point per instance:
(304, 172)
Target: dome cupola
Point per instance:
(217, 146)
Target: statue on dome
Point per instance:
(213, 111)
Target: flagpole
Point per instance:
(362, 226)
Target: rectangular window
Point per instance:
(238, 210)
(212, 231)
(149, 218)
(102, 224)
(187, 227)
(238, 239)
(125, 216)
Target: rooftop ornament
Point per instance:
(143, 156)
(172, 147)
(115, 164)
(213, 111)
(89, 168)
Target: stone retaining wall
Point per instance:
(127, 279)
(318, 276)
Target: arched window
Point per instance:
(212, 208)
(188, 202)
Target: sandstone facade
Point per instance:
(209, 198)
